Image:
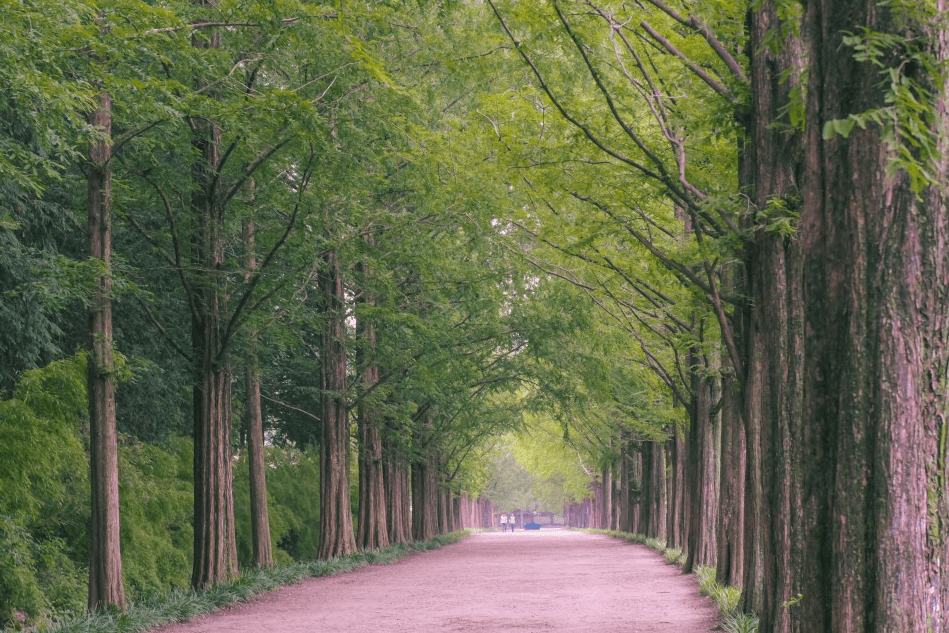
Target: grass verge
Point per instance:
(178, 606)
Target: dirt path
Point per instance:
(548, 580)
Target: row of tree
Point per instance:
(756, 193)
(695, 254)
(272, 192)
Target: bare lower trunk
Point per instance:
(731, 501)
(702, 475)
(424, 500)
(336, 521)
(876, 270)
(398, 498)
(675, 535)
(606, 517)
(105, 563)
(215, 546)
(653, 496)
(259, 514)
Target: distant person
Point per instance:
(511, 521)
(504, 523)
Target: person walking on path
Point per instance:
(504, 523)
(511, 521)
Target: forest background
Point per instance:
(284, 280)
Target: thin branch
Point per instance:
(704, 76)
(163, 331)
(291, 407)
(700, 27)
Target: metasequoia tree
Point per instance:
(195, 243)
(259, 515)
(336, 522)
(873, 238)
(105, 562)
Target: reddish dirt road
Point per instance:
(546, 580)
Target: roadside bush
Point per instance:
(293, 503)
(156, 501)
(43, 493)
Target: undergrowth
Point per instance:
(178, 605)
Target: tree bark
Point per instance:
(876, 270)
(259, 514)
(373, 527)
(623, 492)
(774, 352)
(425, 522)
(105, 562)
(731, 505)
(606, 514)
(675, 515)
(336, 521)
(653, 495)
(398, 499)
(701, 471)
(215, 545)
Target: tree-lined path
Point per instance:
(550, 580)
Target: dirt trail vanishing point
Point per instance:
(546, 580)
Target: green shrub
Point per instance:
(44, 490)
(293, 503)
(156, 501)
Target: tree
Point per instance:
(105, 566)
(873, 241)
(336, 522)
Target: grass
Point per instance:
(181, 605)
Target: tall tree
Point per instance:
(105, 566)
(874, 232)
(372, 521)
(259, 514)
(336, 520)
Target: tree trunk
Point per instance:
(653, 496)
(774, 353)
(876, 270)
(373, 527)
(398, 499)
(731, 500)
(606, 516)
(259, 515)
(105, 563)
(702, 472)
(336, 520)
(215, 546)
(425, 522)
(675, 535)
(623, 490)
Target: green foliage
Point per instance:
(511, 485)
(740, 623)
(911, 77)
(43, 492)
(726, 598)
(156, 502)
(293, 492)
